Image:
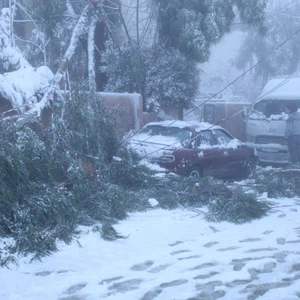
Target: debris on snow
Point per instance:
(153, 202)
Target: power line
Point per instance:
(232, 82)
(288, 6)
(285, 8)
(286, 80)
(246, 72)
(283, 15)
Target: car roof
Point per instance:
(197, 126)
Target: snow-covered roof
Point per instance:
(220, 101)
(281, 89)
(184, 124)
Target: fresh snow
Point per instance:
(170, 255)
(282, 89)
(153, 202)
(21, 87)
(10, 56)
(183, 124)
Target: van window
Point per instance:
(273, 107)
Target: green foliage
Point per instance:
(224, 203)
(194, 26)
(173, 191)
(73, 178)
(125, 68)
(126, 172)
(163, 76)
(50, 186)
(85, 130)
(282, 182)
(42, 218)
(108, 233)
(165, 70)
(172, 79)
(257, 45)
(239, 208)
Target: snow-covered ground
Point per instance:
(170, 255)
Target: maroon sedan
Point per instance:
(194, 149)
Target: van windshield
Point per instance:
(274, 107)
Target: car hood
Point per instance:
(153, 146)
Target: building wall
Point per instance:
(125, 109)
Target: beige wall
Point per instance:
(129, 110)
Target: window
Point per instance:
(209, 113)
(181, 134)
(222, 137)
(274, 107)
(205, 138)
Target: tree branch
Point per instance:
(48, 97)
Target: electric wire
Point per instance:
(286, 80)
(230, 84)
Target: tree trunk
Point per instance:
(91, 54)
(100, 39)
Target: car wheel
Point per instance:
(249, 169)
(195, 172)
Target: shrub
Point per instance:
(224, 203)
(128, 173)
(50, 186)
(239, 207)
(283, 182)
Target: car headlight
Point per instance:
(166, 159)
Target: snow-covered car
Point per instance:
(194, 149)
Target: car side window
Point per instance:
(222, 137)
(205, 138)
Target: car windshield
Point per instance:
(182, 134)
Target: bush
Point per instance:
(224, 203)
(49, 186)
(239, 207)
(128, 173)
(282, 182)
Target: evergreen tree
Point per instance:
(279, 27)
(193, 26)
(54, 24)
(172, 80)
(186, 32)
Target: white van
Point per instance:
(266, 122)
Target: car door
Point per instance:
(233, 153)
(210, 155)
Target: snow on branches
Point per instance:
(20, 83)
(11, 57)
